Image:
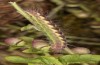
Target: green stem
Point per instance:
(55, 10)
(69, 51)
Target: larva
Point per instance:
(45, 26)
(48, 26)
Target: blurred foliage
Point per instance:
(79, 20)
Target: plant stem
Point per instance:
(69, 51)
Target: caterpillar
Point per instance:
(43, 25)
(46, 26)
(49, 30)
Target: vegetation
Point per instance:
(40, 42)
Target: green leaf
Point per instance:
(31, 50)
(28, 27)
(28, 51)
(79, 59)
(27, 39)
(50, 60)
(31, 64)
(18, 59)
(11, 48)
(35, 64)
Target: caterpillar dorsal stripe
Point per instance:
(44, 25)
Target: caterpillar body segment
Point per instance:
(46, 26)
(42, 24)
